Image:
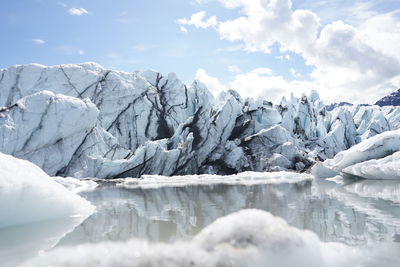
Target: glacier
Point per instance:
(82, 120)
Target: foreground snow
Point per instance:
(27, 194)
(245, 178)
(245, 238)
(374, 158)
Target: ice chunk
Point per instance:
(27, 194)
(375, 147)
(385, 168)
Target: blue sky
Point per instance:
(269, 62)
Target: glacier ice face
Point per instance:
(27, 195)
(246, 238)
(86, 121)
(46, 128)
(374, 158)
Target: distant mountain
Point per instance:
(335, 105)
(390, 100)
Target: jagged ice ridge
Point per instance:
(86, 121)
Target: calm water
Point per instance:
(356, 213)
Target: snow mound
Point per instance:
(27, 194)
(387, 168)
(371, 159)
(245, 238)
(246, 178)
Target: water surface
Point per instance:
(353, 212)
(358, 213)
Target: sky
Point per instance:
(346, 50)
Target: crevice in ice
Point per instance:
(40, 125)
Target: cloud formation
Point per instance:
(257, 83)
(198, 20)
(77, 11)
(348, 60)
(212, 83)
(38, 41)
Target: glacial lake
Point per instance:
(358, 213)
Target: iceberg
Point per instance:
(28, 195)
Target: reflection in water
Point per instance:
(352, 213)
(21, 242)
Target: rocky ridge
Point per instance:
(390, 100)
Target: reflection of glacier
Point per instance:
(351, 213)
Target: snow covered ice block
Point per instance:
(357, 160)
(28, 194)
(387, 168)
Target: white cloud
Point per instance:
(383, 33)
(38, 41)
(295, 73)
(358, 63)
(267, 22)
(81, 52)
(212, 83)
(258, 83)
(262, 71)
(234, 69)
(198, 20)
(183, 29)
(77, 11)
(261, 83)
